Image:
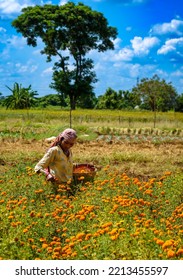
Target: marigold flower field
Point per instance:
(112, 217)
(133, 208)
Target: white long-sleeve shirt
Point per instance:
(61, 166)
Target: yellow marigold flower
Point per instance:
(25, 230)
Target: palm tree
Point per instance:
(21, 98)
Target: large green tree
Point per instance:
(69, 33)
(156, 94)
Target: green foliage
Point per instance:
(117, 100)
(156, 94)
(50, 100)
(21, 98)
(179, 103)
(72, 28)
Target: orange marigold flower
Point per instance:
(180, 252)
(42, 239)
(170, 254)
(88, 235)
(114, 237)
(57, 249)
(82, 218)
(80, 235)
(44, 245)
(113, 231)
(74, 254)
(32, 213)
(167, 244)
(167, 173)
(106, 225)
(159, 242)
(31, 240)
(10, 217)
(122, 229)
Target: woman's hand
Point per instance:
(50, 178)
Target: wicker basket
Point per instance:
(84, 172)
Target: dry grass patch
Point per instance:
(136, 159)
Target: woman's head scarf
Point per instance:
(68, 134)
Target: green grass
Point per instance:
(39, 124)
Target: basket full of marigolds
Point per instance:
(84, 172)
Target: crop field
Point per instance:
(132, 209)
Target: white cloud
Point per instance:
(15, 6)
(116, 43)
(143, 46)
(47, 71)
(2, 29)
(17, 42)
(139, 47)
(10, 6)
(26, 68)
(178, 73)
(175, 26)
(171, 45)
(63, 2)
(125, 54)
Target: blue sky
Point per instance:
(149, 42)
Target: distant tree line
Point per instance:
(149, 94)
